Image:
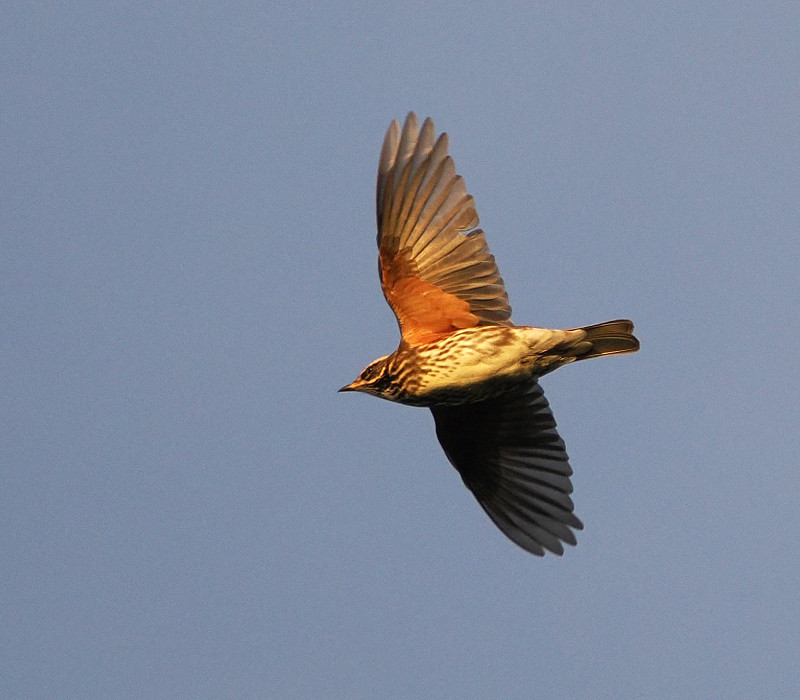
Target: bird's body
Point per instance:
(460, 354)
(478, 363)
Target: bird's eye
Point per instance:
(372, 373)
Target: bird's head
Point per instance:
(375, 379)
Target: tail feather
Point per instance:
(609, 338)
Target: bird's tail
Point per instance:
(609, 338)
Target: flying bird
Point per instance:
(461, 356)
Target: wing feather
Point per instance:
(509, 454)
(436, 270)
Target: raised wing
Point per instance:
(511, 457)
(436, 270)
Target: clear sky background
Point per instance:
(188, 273)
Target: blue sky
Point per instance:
(188, 273)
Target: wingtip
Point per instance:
(411, 123)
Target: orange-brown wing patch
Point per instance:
(424, 311)
(436, 270)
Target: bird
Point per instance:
(460, 354)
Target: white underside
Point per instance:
(514, 359)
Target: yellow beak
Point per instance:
(353, 386)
